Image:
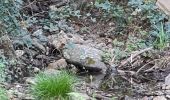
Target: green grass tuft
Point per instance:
(53, 86)
(162, 40)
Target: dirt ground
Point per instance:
(139, 74)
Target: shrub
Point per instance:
(53, 86)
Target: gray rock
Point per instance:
(78, 96)
(164, 5)
(59, 64)
(38, 45)
(159, 98)
(84, 57)
(61, 39)
(39, 35)
(167, 80)
(51, 72)
(30, 80)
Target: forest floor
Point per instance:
(128, 43)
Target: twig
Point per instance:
(30, 3)
(37, 14)
(149, 63)
(123, 73)
(144, 66)
(133, 56)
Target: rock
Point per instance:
(10, 94)
(59, 40)
(168, 97)
(128, 98)
(167, 80)
(51, 71)
(19, 53)
(39, 35)
(1, 52)
(97, 80)
(22, 96)
(7, 45)
(36, 70)
(59, 64)
(78, 96)
(164, 5)
(167, 87)
(28, 97)
(73, 69)
(84, 57)
(163, 86)
(38, 45)
(30, 80)
(145, 98)
(159, 98)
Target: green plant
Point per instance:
(63, 13)
(119, 54)
(3, 94)
(10, 17)
(53, 86)
(110, 9)
(162, 39)
(135, 43)
(148, 13)
(106, 56)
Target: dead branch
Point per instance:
(130, 59)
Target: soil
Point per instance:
(138, 76)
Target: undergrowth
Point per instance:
(10, 17)
(140, 21)
(53, 86)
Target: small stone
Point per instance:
(167, 91)
(61, 39)
(73, 69)
(78, 96)
(167, 87)
(40, 36)
(145, 98)
(30, 80)
(37, 33)
(128, 98)
(167, 80)
(168, 97)
(37, 44)
(36, 70)
(164, 5)
(109, 95)
(59, 64)
(159, 98)
(51, 71)
(111, 24)
(28, 97)
(58, 40)
(163, 86)
(10, 94)
(19, 53)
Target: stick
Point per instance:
(133, 56)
